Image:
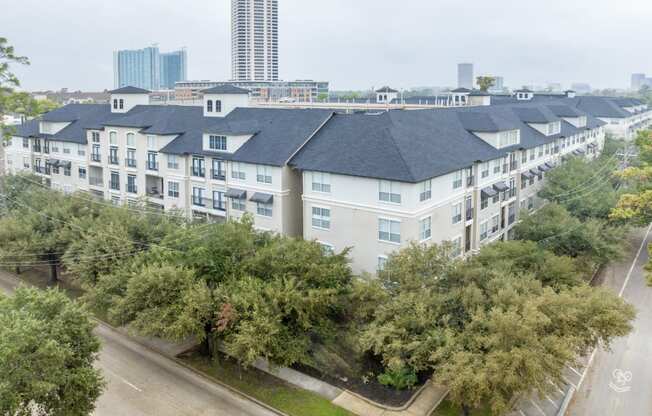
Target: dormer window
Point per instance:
(554, 128)
(218, 106)
(217, 142)
(508, 138)
(122, 104)
(115, 104)
(209, 106)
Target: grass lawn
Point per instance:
(446, 408)
(266, 388)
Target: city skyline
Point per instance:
(310, 47)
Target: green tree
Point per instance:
(555, 229)
(47, 351)
(8, 80)
(24, 104)
(485, 82)
(586, 189)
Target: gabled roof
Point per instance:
(386, 89)
(536, 115)
(225, 89)
(129, 90)
(159, 119)
(561, 110)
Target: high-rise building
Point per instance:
(148, 68)
(638, 80)
(254, 40)
(465, 75)
(174, 68)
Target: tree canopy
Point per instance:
(47, 351)
(485, 82)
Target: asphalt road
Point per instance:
(619, 382)
(142, 382)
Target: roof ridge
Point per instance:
(398, 149)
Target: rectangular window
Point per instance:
(496, 166)
(95, 155)
(218, 172)
(263, 174)
(131, 139)
(113, 138)
(26, 143)
(55, 146)
(198, 196)
(113, 155)
(82, 172)
(239, 204)
(389, 230)
(532, 154)
(218, 106)
(321, 182)
(67, 171)
(219, 202)
(457, 247)
(389, 192)
(198, 167)
(131, 158)
(151, 143)
(264, 209)
(484, 202)
(66, 148)
(114, 182)
(457, 213)
(217, 142)
(382, 262)
(495, 223)
(485, 169)
(81, 150)
(321, 218)
(484, 227)
(457, 179)
(131, 184)
(173, 189)
(152, 161)
(425, 230)
(173, 162)
(425, 190)
(237, 171)
(530, 203)
(122, 104)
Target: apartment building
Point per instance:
(370, 181)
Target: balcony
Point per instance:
(113, 160)
(154, 192)
(95, 181)
(198, 172)
(114, 185)
(152, 165)
(219, 175)
(131, 163)
(96, 157)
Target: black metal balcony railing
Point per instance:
(199, 172)
(115, 185)
(96, 157)
(46, 149)
(132, 188)
(95, 181)
(218, 174)
(113, 160)
(152, 165)
(44, 170)
(131, 163)
(37, 148)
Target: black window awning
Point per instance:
(581, 151)
(262, 198)
(534, 172)
(528, 174)
(501, 187)
(488, 192)
(576, 152)
(236, 193)
(53, 162)
(550, 165)
(544, 168)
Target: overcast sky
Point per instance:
(355, 44)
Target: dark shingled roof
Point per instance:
(386, 89)
(461, 90)
(225, 89)
(535, 115)
(129, 90)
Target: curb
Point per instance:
(566, 402)
(201, 374)
(391, 408)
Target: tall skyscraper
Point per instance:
(148, 68)
(465, 75)
(638, 80)
(174, 68)
(254, 40)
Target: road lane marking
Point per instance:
(550, 400)
(566, 380)
(123, 380)
(537, 407)
(521, 412)
(575, 371)
(631, 269)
